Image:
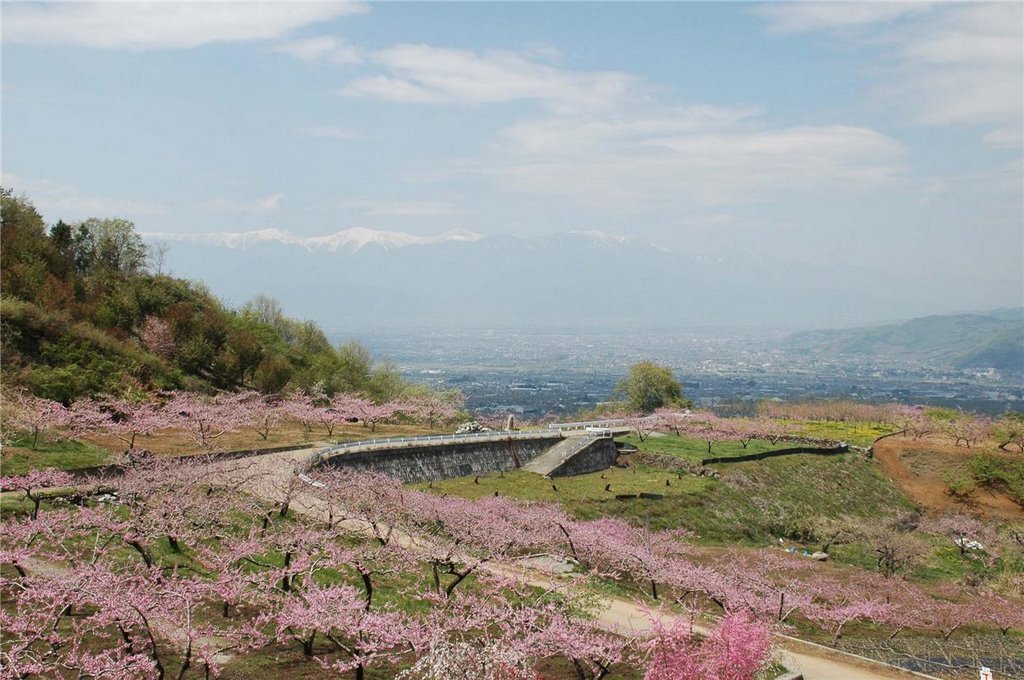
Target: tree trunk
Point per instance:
(368, 586)
(187, 662)
(286, 583)
(437, 578)
(146, 557)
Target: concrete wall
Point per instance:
(598, 456)
(444, 461)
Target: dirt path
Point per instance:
(921, 468)
(616, 615)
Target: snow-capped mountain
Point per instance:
(350, 239)
(368, 278)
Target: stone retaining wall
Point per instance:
(444, 461)
(597, 456)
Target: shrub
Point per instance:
(960, 486)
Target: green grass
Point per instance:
(753, 503)
(858, 434)
(571, 490)
(695, 450)
(18, 458)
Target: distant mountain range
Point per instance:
(986, 340)
(364, 278)
(350, 239)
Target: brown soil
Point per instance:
(922, 466)
(176, 443)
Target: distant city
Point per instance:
(563, 373)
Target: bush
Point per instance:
(960, 486)
(986, 469)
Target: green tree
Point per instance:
(27, 254)
(1010, 431)
(110, 244)
(354, 366)
(386, 381)
(650, 386)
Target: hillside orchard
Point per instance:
(199, 566)
(178, 568)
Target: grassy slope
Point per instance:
(751, 503)
(18, 458)
(695, 450)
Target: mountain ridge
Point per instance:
(993, 339)
(571, 278)
(352, 239)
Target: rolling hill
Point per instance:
(984, 340)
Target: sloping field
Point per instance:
(926, 468)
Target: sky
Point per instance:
(835, 133)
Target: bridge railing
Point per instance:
(400, 442)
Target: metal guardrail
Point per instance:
(321, 454)
(584, 424)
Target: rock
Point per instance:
(552, 564)
(968, 544)
(820, 556)
(471, 427)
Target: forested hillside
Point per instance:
(988, 340)
(85, 310)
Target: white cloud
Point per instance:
(257, 205)
(57, 201)
(966, 65)
(330, 132)
(322, 48)
(568, 134)
(161, 25)
(795, 17)
(950, 62)
(391, 89)
(698, 156)
(423, 73)
(404, 208)
(1009, 137)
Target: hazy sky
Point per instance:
(840, 132)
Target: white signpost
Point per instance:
(985, 673)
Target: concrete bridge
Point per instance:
(551, 452)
